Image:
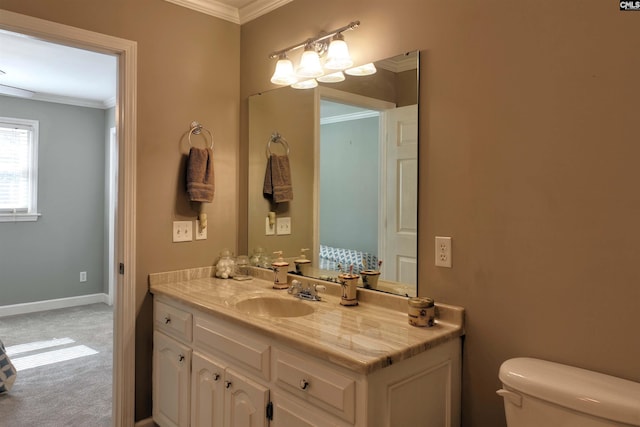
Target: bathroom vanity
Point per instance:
(230, 353)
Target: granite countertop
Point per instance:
(363, 338)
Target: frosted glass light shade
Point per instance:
(305, 84)
(284, 75)
(363, 70)
(310, 66)
(338, 57)
(332, 78)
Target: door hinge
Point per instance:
(121, 269)
(270, 411)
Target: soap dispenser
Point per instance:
(303, 263)
(280, 270)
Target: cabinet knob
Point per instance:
(167, 320)
(216, 376)
(304, 384)
(227, 384)
(180, 358)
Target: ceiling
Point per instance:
(35, 69)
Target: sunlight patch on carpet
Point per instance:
(50, 357)
(37, 345)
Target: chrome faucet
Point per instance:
(307, 291)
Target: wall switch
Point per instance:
(283, 225)
(201, 233)
(83, 276)
(443, 251)
(269, 229)
(182, 231)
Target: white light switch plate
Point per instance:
(200, 234)
(283, 225)
(182, 231)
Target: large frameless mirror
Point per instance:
(352, 150)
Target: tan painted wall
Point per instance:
(528, 116)
(180, 79)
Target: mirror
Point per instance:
(352, 150)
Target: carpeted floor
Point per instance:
(70, 393)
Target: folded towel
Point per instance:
(277, 179)
(200, 185)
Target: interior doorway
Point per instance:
(124, 222)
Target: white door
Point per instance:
(245, 402)
(171, 369)
(399, 218)
(207, 392)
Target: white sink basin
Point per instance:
(274, 307)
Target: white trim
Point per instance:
(125, 307)
(240, 16)
(52, 304)
(349, 117)
(19, 217)
(258, 8)
(211, 7)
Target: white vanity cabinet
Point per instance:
(171, 366)
(226, 372)
(221, 397)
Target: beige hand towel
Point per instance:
(200, 179)
(277, 179)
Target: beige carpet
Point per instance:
(75, 392)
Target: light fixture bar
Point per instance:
(350, 26)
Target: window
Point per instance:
(18, 169)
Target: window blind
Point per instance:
(16, 151)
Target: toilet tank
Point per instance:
(541, 393)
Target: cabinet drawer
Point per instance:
(235, 344)
(173, 321)
(316, 384)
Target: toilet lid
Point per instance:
(585, 391)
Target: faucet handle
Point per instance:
(295, 288)
(319, 288)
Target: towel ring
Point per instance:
(196, 129)
(277, 138)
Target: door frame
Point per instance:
(124, 308)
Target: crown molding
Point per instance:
(220, 10)
(211, 7)
(407, 63)
(258, 8)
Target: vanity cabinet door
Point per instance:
(287, 413)
(245, 402)
(207, 392)
(171, 374)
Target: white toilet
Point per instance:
(538, 393)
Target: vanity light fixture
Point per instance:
(311, 67)
(284, 74)
(305, 84)
(332, 78)
(338, 57)
(363, 70)
(309, 63)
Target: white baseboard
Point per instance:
(147, 422)
(52, 304)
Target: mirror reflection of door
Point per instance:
(399, 235)
(368, 196)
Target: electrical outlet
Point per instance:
(83, 276)
(201, 234)
(443, 251)
(269, 229)
(182, 231)
(283, 226)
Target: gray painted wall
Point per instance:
(349, 168)
(42, 260)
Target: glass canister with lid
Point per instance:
(422, 311)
